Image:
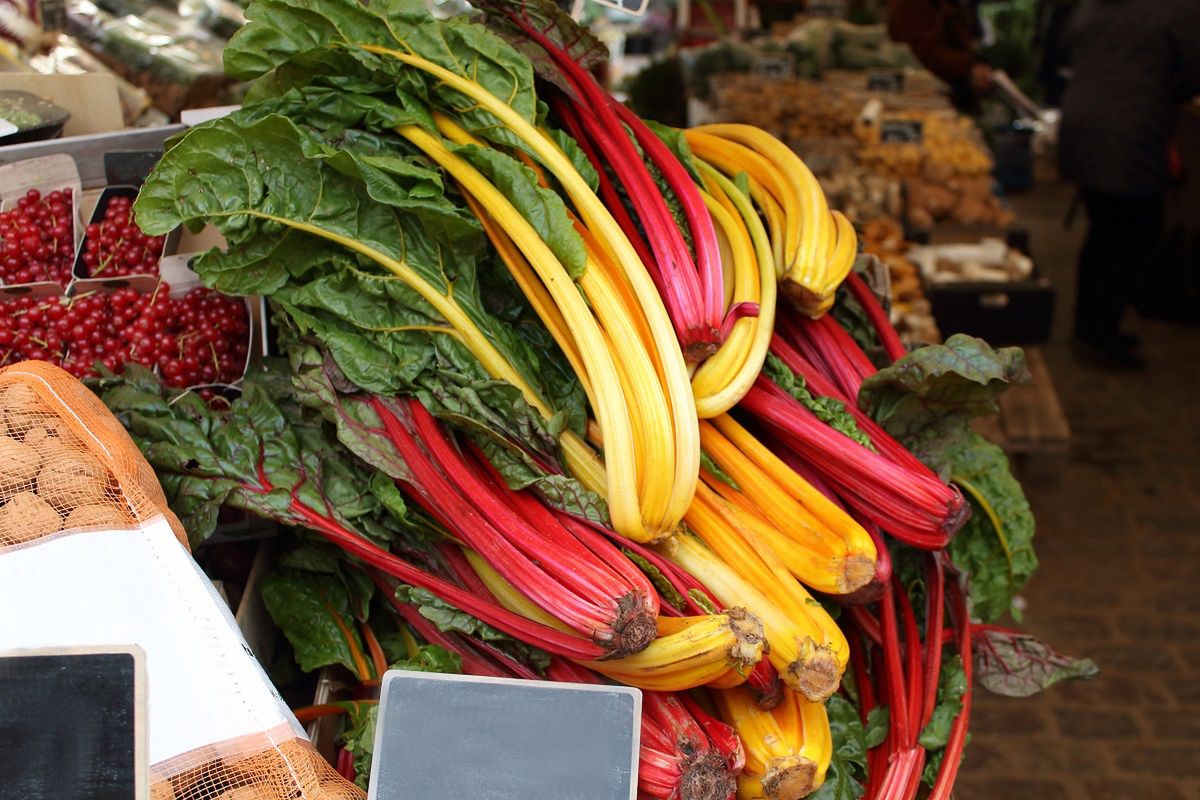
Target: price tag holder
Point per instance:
(449, 737)
(885, 81)
(901, 131)
(73, 724)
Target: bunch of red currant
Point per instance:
(199, 338)
(37, 240)
(116, 246)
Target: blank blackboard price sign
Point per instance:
(454, 737)
(901, 131)
(72, 724)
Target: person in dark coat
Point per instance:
(1132, 63)
(944, 35)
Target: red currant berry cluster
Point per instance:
(37, 241)
(116, 246)
(199, 338)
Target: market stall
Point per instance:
(428, 354)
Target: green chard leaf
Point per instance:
(307, 39)
(541, 207)
(358, 738)
(927, 400)
(674, 139)
(579, 159)
(964, 376)
(316, 614)
(848, 767)
(1015, 664)
(323, 229)
(449, 619)
(431, 658)
(827, 409)
(712, 467)
(952, 685)
(660, 581)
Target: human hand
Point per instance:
(981, 79)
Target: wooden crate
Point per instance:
(1031, 426)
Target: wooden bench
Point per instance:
(1031, 426)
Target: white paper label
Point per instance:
(141, 587)
(7, 128)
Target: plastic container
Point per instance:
(46, 174)
(80, 271)
(25, 117)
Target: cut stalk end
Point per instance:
(789, 778)
(706, 778)
(635, 626)
(701, 343)
(815, 674)
(751, 640)
(858, 572)
(957, 514)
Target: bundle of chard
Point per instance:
(571, 394)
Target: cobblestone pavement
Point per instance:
(1119, 542)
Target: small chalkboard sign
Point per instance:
(449, 737)
(891, 80)
(72, 724)
(901, 131)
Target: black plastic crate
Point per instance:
(1001, 312)
(1012, 312)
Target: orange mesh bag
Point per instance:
(91, 555)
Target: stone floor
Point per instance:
(1119, 542)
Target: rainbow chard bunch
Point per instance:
(650, 192)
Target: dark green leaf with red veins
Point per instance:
(449, 619)
(509, 442)
(256, 455)
(827, 409)
(358, 737)
(316, 614)
(299, 37)
(963, 376)
(506, 17)
(927, 399)
(1015, 664)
